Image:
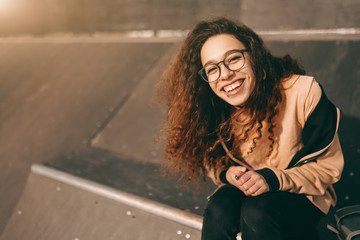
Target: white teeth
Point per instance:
(232, 86)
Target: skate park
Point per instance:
(79, 158)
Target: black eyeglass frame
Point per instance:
(202, 72)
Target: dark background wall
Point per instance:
(79, 16)
(49, 16)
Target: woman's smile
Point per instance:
(234, 87)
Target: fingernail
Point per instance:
(236, 178)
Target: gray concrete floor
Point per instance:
(55, 97)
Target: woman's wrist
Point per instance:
(223, 177)
(270, 178)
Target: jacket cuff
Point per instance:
(270, 178)
(223, 177)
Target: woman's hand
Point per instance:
(249, 182)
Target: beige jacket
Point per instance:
(307, 156)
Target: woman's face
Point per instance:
(234, 87)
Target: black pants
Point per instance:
(276, 215)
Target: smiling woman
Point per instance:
(258, 127)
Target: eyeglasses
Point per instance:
(234, 61)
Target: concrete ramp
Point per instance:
(57, 205)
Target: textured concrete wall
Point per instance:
(43, 16)
(305, 14)
(111, 15)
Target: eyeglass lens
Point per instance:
(233, 61)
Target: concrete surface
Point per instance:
(57, 206)
(55, 97)
(306, 14)
(138, 177)
(79, 16)
(139, 120)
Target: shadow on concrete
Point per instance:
(137, 177)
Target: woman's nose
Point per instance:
(225, 72)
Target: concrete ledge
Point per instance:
(56, 205)
(162, 210)
(177, 35)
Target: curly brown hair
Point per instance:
(196, 116)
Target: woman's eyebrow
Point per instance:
(214, 61)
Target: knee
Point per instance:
(224, 204)
(222, 214)
(255, 212)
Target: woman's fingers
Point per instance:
(261, 190)
(234, 173)
(249, 182)
(252, 183)
(253, 189)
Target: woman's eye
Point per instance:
(234, 58)
(211, 70)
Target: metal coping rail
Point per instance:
(174, 35)
(155, 208)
